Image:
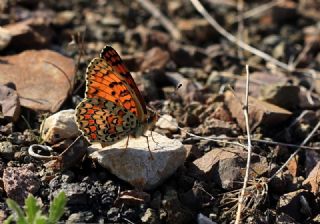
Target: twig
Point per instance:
(168, 25)
(259, 10)
(234, 40)
(240, 6)
(296, 152)
(249, 147)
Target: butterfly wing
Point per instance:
(104, 121)
(106, 83)
(113, 59)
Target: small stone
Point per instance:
(5, 38)
(60, 126)
(313, 179)
(64, 18)
(196, 30)
(80, 217)
(167, 122)
(202, 219)
(135, 164)
(155, 58)
(150, 216)
(9, 103)
(176, 212)
(20, 181)
(76, 194)
(6, 150)
(299, 205)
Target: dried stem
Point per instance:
(156, 13)
(249, 147)
(230, 37)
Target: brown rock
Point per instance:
(196, 30)
(313, 179)
(226, 166)
(299, 205)
(312, 36)
(259, 80)
(260, 112)
(30, 33)
(155, 58)
(19, 181)
(9, 103)
(284, 12)
(43, 78)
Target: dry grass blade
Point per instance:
(156, 13)
(234, 40)
(255, 195)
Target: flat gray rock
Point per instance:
(134, 164)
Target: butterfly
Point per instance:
(113, 107)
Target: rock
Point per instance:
(299, 205)
(196, 30)
(30, 33)
(5, 38)
(64, 18)
(226, 166)
(150, 216)
(81, 217)
(70, 157)
(36, 90)
(175, 211)
(132, 198)
(155, 58)
(6, 150)
(260, 112)
(312, 36)
(185, 55)
(309, 9)
(284, 12)
(313, 179)
(167, 122)
(20, 181)
(9, 103)
(284, 96)
(202, 219)
(134, 164)
(260, 80)
(76, 193)
(60, 126)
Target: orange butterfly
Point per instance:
(113, 107)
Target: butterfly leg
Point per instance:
(153, 138)
(151, 156)
(127, 142)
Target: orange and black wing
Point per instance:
(106, 83)
(113, 59)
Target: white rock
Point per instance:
(5, 38)
(134, 164)
(59, 126)
(167, 122)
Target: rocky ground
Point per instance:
(191, 73)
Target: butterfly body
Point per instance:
(113, 107)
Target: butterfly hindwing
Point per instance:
(103, 121)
